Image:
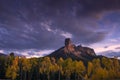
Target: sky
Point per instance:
(35, 28)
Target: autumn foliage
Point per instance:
(21, 68)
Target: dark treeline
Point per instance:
(21, 68)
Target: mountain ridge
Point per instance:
(75, 52)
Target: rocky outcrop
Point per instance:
(86, 50)
(74, 52)
(69, 47)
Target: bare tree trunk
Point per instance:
(75, 76)
(78, 77)
(25, 76)
(21, 74)
(68, 78)
(48, 77)
(59, 75)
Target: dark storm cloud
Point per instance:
(85, 7)
(27, 24)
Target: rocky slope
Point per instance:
(75, 52)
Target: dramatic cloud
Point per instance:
(44, 24)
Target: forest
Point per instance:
(49, 68)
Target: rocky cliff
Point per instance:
(75, 52)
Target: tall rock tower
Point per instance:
(69, 47)
(68, 42)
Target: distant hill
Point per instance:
(110, 54)
(4, 55)
(75, 52)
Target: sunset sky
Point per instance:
(37, 27)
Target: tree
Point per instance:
(10, 59)
(90, 69)
(34, 73)
(54, 68)
(26, 66)
(116, 68)
(12, 70)
(2, 66)
(45, 67)
(67, 68)
(12, 54)
(107, 63)
(99, 72)
(60, 70)
(79, 69)
(112, 66)
(96, 63)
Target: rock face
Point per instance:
(74, 52)
(69, 47)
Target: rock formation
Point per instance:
(69, 47)
(74, 52)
